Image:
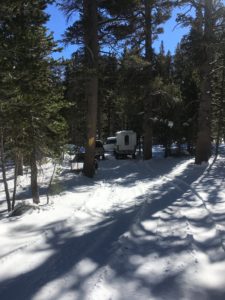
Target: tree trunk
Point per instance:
(15, 182)
(148, 126)
(91, 52)
(50, 183)
(109, 124)
(221, 114)
(6, 188)
(203, 146)
(20, 164)
(34, 177)
(99, 120)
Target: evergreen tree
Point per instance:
(85, 32)
(205, 24)
(166, 102)
(143, 24)
(33, 106)
(187, 77)
(218, 94)
(91, 60)
(74, 83)
(109, 96)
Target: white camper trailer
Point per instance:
(126, 142)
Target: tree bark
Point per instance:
(99, 119)
(203, 146)
(15, 182)
(6, 188)
(221, 114)
(34, 177)
(20, 164)
(148, 126)
(50, 183)
(91, 56)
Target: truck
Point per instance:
(126, 143)
(110, 144)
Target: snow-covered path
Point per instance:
(139, 230)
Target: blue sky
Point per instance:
(58, 23)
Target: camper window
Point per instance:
(126, 140)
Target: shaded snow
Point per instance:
(138, 230)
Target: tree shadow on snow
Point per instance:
(126, 173)
(125, 239)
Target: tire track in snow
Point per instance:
(95, 283)
(160, 231)
(178, 185)
(96, 286)
(121, 246)
(105, 272)
(63, 224)
(177, 211)
(185, 187)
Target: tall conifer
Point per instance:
(32, 106)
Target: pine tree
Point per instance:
(142, 26)
(35, 101)
(187, 77)
(203, 146)
(74, 83)
(204, 27)
(91, 59)
(85, 32)
(218, 94)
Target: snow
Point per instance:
(138, 230)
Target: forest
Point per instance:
(113, 81)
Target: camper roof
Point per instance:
(125, 131)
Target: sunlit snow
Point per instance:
(145, 230)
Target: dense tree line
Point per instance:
(150, 90)
(31, 94)
(114, 80)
